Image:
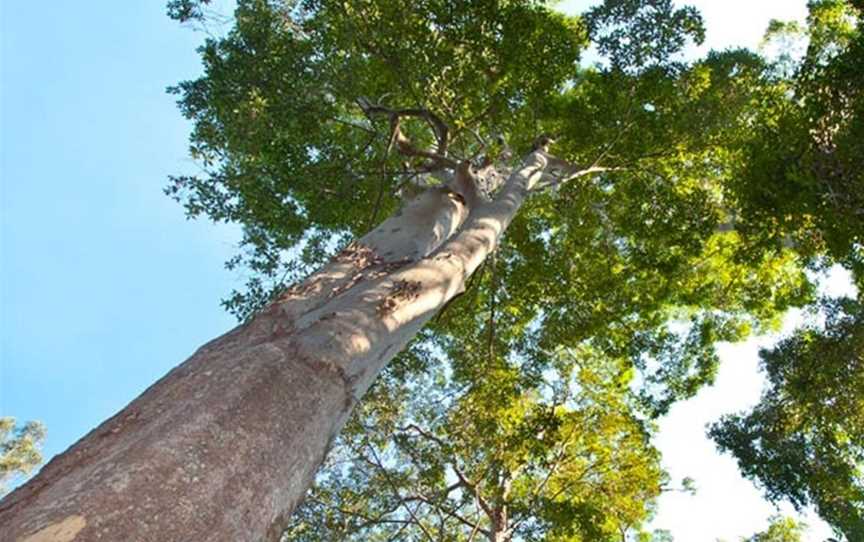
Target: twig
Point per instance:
(395, 490)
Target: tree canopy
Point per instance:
(717, 185)
(477, 447)
(801, 179)
(290, 155)
(804, 441)
(802, 182)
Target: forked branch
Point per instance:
(438, 158)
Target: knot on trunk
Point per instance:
(403, 290)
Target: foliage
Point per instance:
(565, 459)
(635, 34)
(186, 10)
(805, 440)
(780, 530)
(658, 535)
(289, 155)
(724, 179)
(800, 186)
(801, 183)
(19, 448)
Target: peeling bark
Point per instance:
(226, 444)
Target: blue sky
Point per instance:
(104, 286)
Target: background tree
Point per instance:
(19, 448)
(802, 184)
(801, 177)
(803, 441)
(781, 529)
(499, 458)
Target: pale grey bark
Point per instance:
(226, 445)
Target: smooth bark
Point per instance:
(226, 445)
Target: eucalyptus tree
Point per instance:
(316, 120)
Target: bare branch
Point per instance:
(448, 512)
(354, 125)
(493, 299)
(398, 534)
(611, 145)
(395, 490)
(463, 479)
(553, 182)
(438, 158)
(477, 520)
(425, 434)
(368, 521)
(475, 490)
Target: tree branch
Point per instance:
(425, 434)
(459, 474)
(493, 294)
(448, 512)
(562, 453)
(438, 158)
(395, 490)
(575, 175)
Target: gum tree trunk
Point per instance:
(225, 445)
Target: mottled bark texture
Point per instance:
(226, 445)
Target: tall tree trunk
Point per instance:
(226, 444)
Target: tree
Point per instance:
(780, 530)
(803, 178)
(500, 458)
(310, 121)
(803, 441)
(19, 448)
